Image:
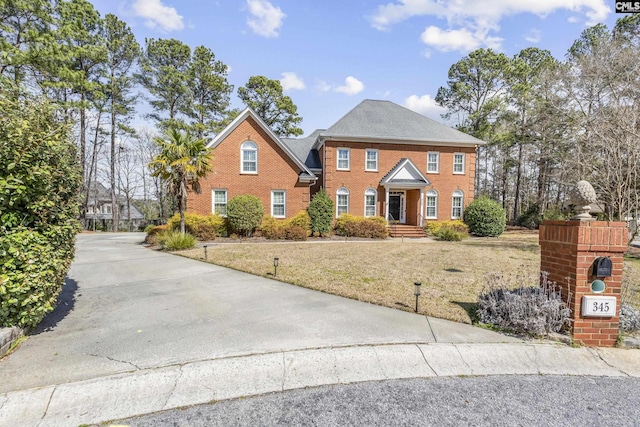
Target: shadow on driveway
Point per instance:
(64, 305)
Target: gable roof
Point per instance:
(248, 112)
(379, 121)
(303, 149)
(403, 173)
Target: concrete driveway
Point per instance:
(125, 308)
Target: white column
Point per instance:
(386, 203)
(421, 205)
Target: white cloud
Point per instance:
(323, 86)
(424, 105)
(290, 81)
(266, 19)
(158, 15)
(351, 86)
(474, 22)
(533, 36)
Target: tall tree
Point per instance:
(210, 92)
(164, 73)
(266, 98)
(182, 161)
(122, 52)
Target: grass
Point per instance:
(383, 272)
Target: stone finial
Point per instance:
(582, 196)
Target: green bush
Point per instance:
(244, 214)
(203, 227)
(321, 213)
(296, 228)
(272, 228)
(485, 217)
(302, 220)
(432, 227)
(450, 234)
(359, 226)
(148, 228)
(554, 215)
(531, 218)
(176, 241)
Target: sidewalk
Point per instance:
(156, 389)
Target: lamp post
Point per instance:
(416, 292)
(205, 253)
(275, 266)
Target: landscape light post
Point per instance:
(275, 266)
(416, 292)
(205, 253)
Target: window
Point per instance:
(342, 201)
(432, 204)
(433, 162)
(458, 162)
(278, 204)
(372, 160)
(220, 202)
(343, 159)
(370, 202)
(106, 209)
(456, 204)
(249, 157)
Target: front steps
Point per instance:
(408, 231)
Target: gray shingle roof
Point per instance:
(302, 149)
(386, 120)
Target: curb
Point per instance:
(8, 336)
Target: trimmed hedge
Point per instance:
(433, 227)
(321, 213)
(374, 227)
(485, 217)
(244, 214)
(296, 228)
(203, 227)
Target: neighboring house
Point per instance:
(379, 159)
(99, 213)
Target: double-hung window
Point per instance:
(458, 163)
(370, 201)
(278, 204)
(456, 204)
(342, 201)
(343, 159)
(220, 202)
(371, 160)
(433, 162)
(249, 157)
(432, 204)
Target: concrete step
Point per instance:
(403, 230)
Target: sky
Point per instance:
(330, 55)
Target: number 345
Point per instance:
(602, 307)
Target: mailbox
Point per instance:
(602, 267)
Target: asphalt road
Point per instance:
(476, 401)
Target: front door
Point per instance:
(396, 207)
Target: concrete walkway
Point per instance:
(140, 331)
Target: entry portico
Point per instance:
(404, 186)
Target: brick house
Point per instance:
(379, 159)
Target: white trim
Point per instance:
(434, 194)
(454, 195)
(403, 205)
(322, 139)
(375, 201)
(244, 148)
(366, 159)
(284, 203)
(348, 150)
(463, 163)
(342, 191)
(213, 200)
(437, 153)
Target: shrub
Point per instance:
(321, 213)
(295, 232)
(531, 218)
(554, 215)
(450, 234)
(296, 228)
(629, 318)
(176, 241)
(485, 217)
(148, 228)
(203, 227)
(271, 228)
(432, 227)
(533, 310)
(359, 226)
(153, 234)
(302, 220)
(244, 214)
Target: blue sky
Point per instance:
(330, 55)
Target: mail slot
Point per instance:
(602, 267)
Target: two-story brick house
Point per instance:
(379, 159)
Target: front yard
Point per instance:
(383, 272)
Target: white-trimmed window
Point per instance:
(456, 204)
(219, 202)
(371, 162)
(370, 202)
(433, 162)
(458, 163)
(106, 209)
(343, 159)
(278, 203)
(249, 157)
(432, 204)
(342, 201)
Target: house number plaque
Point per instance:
(598, 306)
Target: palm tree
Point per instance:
(182, 160)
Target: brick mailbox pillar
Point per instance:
(568, 252)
